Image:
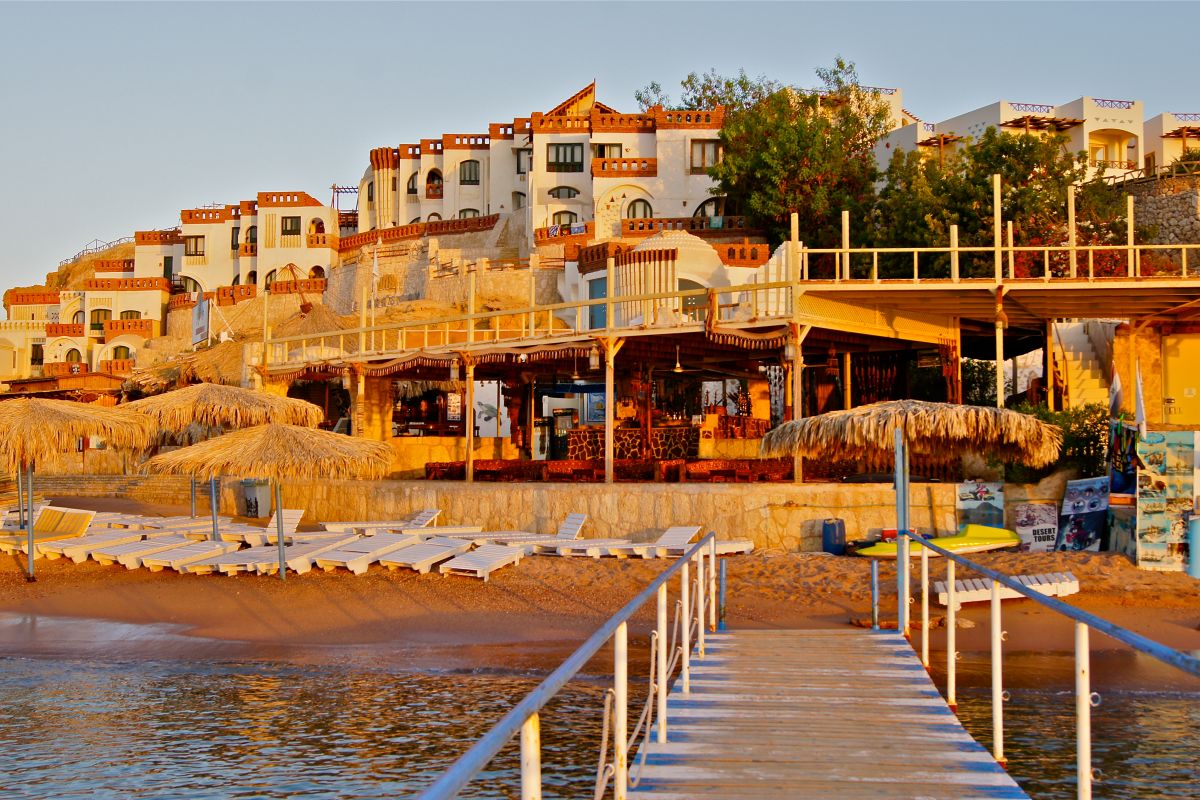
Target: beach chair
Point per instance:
(130, 554)
(979, 590)
(255, 536)
(177, 557)
(581, 547)
(423, 556)
(482, 562)
(676, 539)
(79, 549)
(51, 524)
(361, 553)
(570, 530)
(301, 557)
(422, 519)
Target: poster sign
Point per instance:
(1166, 498)
(1083, 523)
(454, 407)
(1037, 525)
(1122, 458)
(200, 321)
(980, 503)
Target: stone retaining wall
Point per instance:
(1171, 207)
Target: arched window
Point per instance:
(189, 284)
(414, 221)
(434, 217)
(370, 191)
(120, 352)
(77, 318)
(316, 225)
(252, 234)
(563, 192)
(468, 173)
(518, 200)
(252, 277)
(99, 317)
(564, 218)
(639, 209)
(412, 183)
(73, 356)
(713, 207)
(433, 185)
(316, 272)
(237, 280)
(270, 279)
(468, 213)
(131, 315)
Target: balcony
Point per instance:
(64, 329)
(57, 369)
(120, 327)
(117, 366)
(322, 240)
(306, 286)
(1120, 166)
(232, 295)
(624, 167)
(433, 191)
(697, 226)
(248, 249)
(126, 284)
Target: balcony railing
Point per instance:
(1117, 104)
(1121, 165)
(1031, 108)
(306, 286)
(117, 366)
(14, 297)
(699, 226)
(120, 327)
(64, 329)
(433, 191)
(624, 167)
(232, 295)
(322, 240)
(248, 249)
(57, 369)
(126, 284)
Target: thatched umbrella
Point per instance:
(904, 425)
(34, 428)
(215, 407)
(279, 452)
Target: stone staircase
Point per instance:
(1085, 378)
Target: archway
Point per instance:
(316, 225)
(316, 273)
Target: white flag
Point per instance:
(1116, 395)
(1139, 414)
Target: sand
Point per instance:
(529, 616)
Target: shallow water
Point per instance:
(348, 727)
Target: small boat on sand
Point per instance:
(971, 539)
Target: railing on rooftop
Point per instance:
(94, 246)
(695, 614)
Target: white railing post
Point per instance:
(620, 711)
(712, 584)
(685, 635)
(1083, 713)
(925, 606)
(531, 759)
(951, 636)
(700, 605)
(997, 678)
(660, 678)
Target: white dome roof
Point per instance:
(695, 254)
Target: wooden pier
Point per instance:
(814, 714)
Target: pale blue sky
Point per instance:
(115, 116)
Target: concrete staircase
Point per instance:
(1085, 378)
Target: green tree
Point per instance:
(734, 93)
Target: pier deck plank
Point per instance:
(814, 714)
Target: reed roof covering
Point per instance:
(215, 405)
(934, 428)
(35, 428)
(278, 452)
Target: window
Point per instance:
(524, 161)
(291, 226)
(99, 317)
(190, 285)
(563, 192)
(252, 234)
(73, 356)
(597, 290)
(316, 225)
(252, 277)
(468, 213)
(414, 221)
(468, 173)
(233, 237)
(168, 266)
(370, 191)
(412, 183)
(713, 207)
(270, 279)
(639, 209)
(705, 153)
(131, 315)
(193, 245)
(120, 352)
(36, 355)
(433, 185)
(77, 318)
(564, 158)
(518, 200)
(393, 184)
(434, 217)
(564, 218)
(606, 150)
(317, 272)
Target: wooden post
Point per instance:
(362, 322)
(846, 390)
(999, 349)
(1012, 256)
(1049, 361)
(266, 356)
(1072, 234)
(954, 253)
(469, 416)
(471, 306)
(996, 257)
(1130, 266)
(611, 347)
(846, 243)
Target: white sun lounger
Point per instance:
(978, 590)
(581, 547)
(79, 548)
(52, 523)
(570, 530)
(255, 536)
(422, 519)
(177, 557)
(423, 556)
(481, 563)
(130, 554)
(361, 553)
(301, 557)
(677, 538)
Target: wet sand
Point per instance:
(533, 615)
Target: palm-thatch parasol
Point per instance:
(215, 408)
(901, 425)
(34, 428)
(279, 452)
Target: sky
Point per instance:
(114, 116)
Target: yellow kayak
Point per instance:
(972, 539)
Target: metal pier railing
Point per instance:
(695, 612)
(1085, 698)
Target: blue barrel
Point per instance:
(833, 537)
(1193, 567)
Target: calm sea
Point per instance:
(97, 728)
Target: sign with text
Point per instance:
(1037, 525)
(200, 319)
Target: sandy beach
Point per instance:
(528, 617)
